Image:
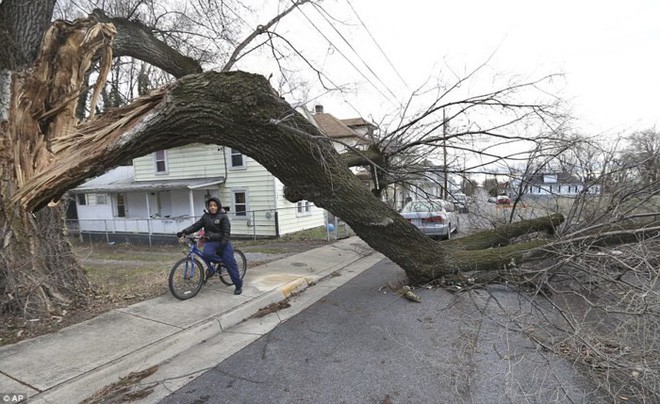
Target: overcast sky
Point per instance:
(609, 52)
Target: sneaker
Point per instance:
(238, 291)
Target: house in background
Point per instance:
(164, 192)
(553, 184)
(363, 128)
(424, 180)
(347, 133)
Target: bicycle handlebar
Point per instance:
(190, 238)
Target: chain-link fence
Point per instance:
(254, 224)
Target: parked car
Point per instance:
(436, 218)
(461, 202)
(503, 200)
(492, 199)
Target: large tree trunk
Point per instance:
(39, 274)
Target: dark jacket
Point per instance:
(216, 227)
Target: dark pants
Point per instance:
(209, 251)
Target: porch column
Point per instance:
(191, 201)
(146, 195)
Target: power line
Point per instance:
(317, 7)
(377, 45)
(344, 56)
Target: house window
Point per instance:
(121, 206)
(101, 199)
(237, 159)
(239, 202)
(549, 178)
(160, 162)
(92, 199)
(303, 208)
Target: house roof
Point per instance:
(122, 179)
(356, 122)
(334, 128)
(562, 178)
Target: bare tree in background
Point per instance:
(641, 157)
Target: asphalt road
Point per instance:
(363, 343)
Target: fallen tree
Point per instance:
(203, 108)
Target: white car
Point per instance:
(436, 218)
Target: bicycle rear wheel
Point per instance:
(241, 263)
(186, 278)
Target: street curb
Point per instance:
(237, 315)
(244, 311)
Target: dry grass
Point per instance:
(128, 272)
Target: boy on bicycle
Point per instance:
(217, 231)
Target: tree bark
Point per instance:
(136, 40)
(39, 274)
(22, 26)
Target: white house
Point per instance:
(423, 180)
(165, 191)
(554, 184)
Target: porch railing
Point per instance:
(253, 224)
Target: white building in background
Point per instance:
(554, 184)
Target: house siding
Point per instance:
(290, 220)
(192, 161)
(195, 161)
(348, 143)
(257, 183)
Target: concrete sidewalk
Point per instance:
(74, 363)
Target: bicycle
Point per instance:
(188, 276)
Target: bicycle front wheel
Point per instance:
(241, 263)
(186, 278)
